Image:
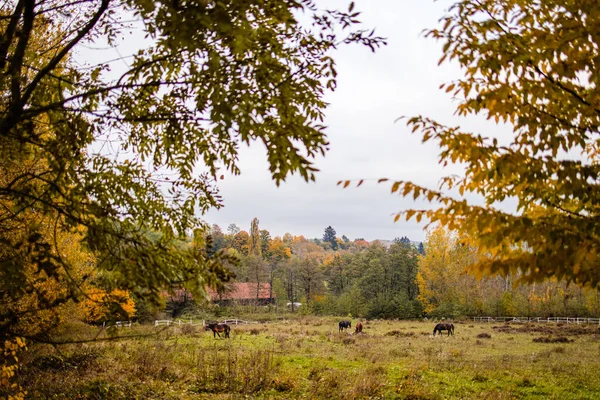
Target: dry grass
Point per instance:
(310, 359)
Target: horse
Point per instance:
(216, 328)
(359, 327)
(344, 324)
(444, 327)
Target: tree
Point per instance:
(444, 289)
(240, 242)
(310, 279)
(239, 72)
(403, 239)
(531, 65)
(265, 241)
(254, 241)
(233, 229)
(256, 268)
(289, 278)
(218, 238)
(329, 237)
(421, 249)
(403, 263)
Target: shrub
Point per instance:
(560, 339)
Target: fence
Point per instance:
(553, 320)
(119, 324)
(179, 322)
(238, 322)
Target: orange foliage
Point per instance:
(100, 306)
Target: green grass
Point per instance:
(308, 358)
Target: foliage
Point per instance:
(240, 242)
(213, 75)
(265, 241)
(254, 240)
(441, 279)
(531, 65)
(100, 306)
(10, 351)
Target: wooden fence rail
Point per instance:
(550, 320)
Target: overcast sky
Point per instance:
(403, 78)
(374, 89)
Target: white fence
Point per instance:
(238, 322)
(118, 324)
(553, 320)
(179, 322)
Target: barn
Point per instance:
(243, 293)
(237, 292)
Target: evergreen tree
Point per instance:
(329, 236)
(403, 239)
(421, 249)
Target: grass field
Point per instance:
(308, 358)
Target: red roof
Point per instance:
(237, 291)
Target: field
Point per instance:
(308, 358)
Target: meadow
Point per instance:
(308, 358)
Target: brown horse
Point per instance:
(444, 327)
(216, 328)
(359, 327)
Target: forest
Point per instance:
(401, 279)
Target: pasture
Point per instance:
(309, 358)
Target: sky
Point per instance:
(366, 140)
(374, 89)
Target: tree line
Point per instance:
(338, 276)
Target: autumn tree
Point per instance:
(265, 241)
(254, 240)
(240, 242)
(213, 75)
(532, 66)
(277, 254)
(444, 288)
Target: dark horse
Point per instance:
(344, 324)
(216, 328)
(444, 327)
(359, 327)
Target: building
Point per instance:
(238, 292)
(243, 293)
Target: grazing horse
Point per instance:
(444, 327)
(359, 327)
(344, 324)
(216, 328)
